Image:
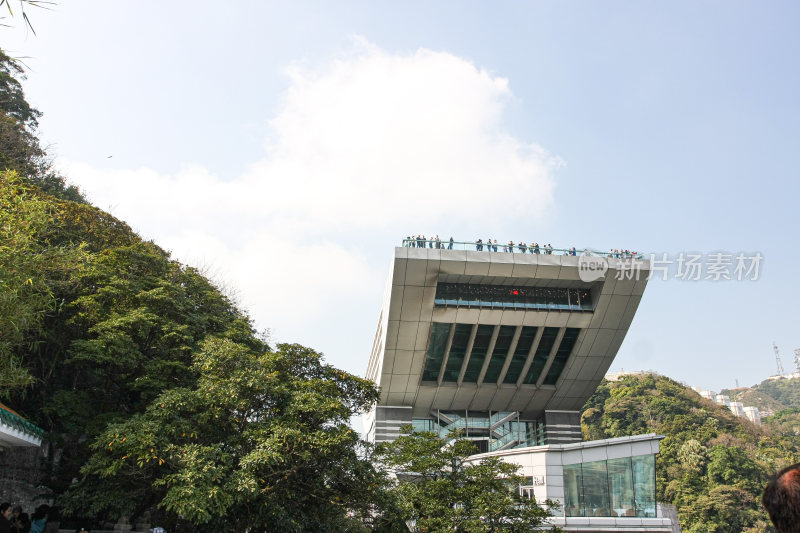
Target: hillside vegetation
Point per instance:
(770, 395)
(713, 465)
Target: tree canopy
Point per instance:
(261, 442)
(440, 490)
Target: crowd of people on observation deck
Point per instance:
(490, 245)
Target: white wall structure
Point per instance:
(627, 467)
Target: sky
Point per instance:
(286, 147)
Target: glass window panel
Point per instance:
(595, 489)
(540, 357)
(478, 354)
(586, 299)
(524, 343)
(562, 355)
(436, 346)
(620, 486)
(644, 484)
(510, 296)
(423, 424)
(573, 491)
(457, 350)
(504, 338)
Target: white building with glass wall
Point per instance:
(505, 345)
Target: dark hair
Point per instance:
(53, 514)
(40, 512)
(782, 499)
(4, 506)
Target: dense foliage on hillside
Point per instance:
(713, 466)
(784, 392)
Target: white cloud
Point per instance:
(374, 145)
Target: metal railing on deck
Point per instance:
(480, 246)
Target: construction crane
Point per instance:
(777, 358)
(797, 360)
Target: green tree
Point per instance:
(724, 509)
(124, 331)
(439, 489)
(20, 149)
(261, 443)
(30, 269)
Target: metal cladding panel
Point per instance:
(624, 287)
(432, 272)
(422, 336)
(483, 398)
(415, 272)
(444, 314)
(392, 328)
(399, 272)
(412, 304)
(395, 398)
(428, 296)
(395, 303)
(556, 320)
(513, 318)
(630, 311)
(402, 361)
(490, 316)
(468, 316)
(579, 320)
(616, 307)
(521, 398)
(463, 397)
(399, 383)
(539, 401)
(502, 397)
(602, 342)
(524, 268)
(450, 265)
(424, 401)
(413, 382)
(407, 335)
(477, 264)
(587, 369)
(585, 347)
(444, 396)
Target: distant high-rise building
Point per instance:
(752, 414)
(736, 408)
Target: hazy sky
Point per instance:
(287, 147)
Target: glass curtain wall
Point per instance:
(624, 487)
